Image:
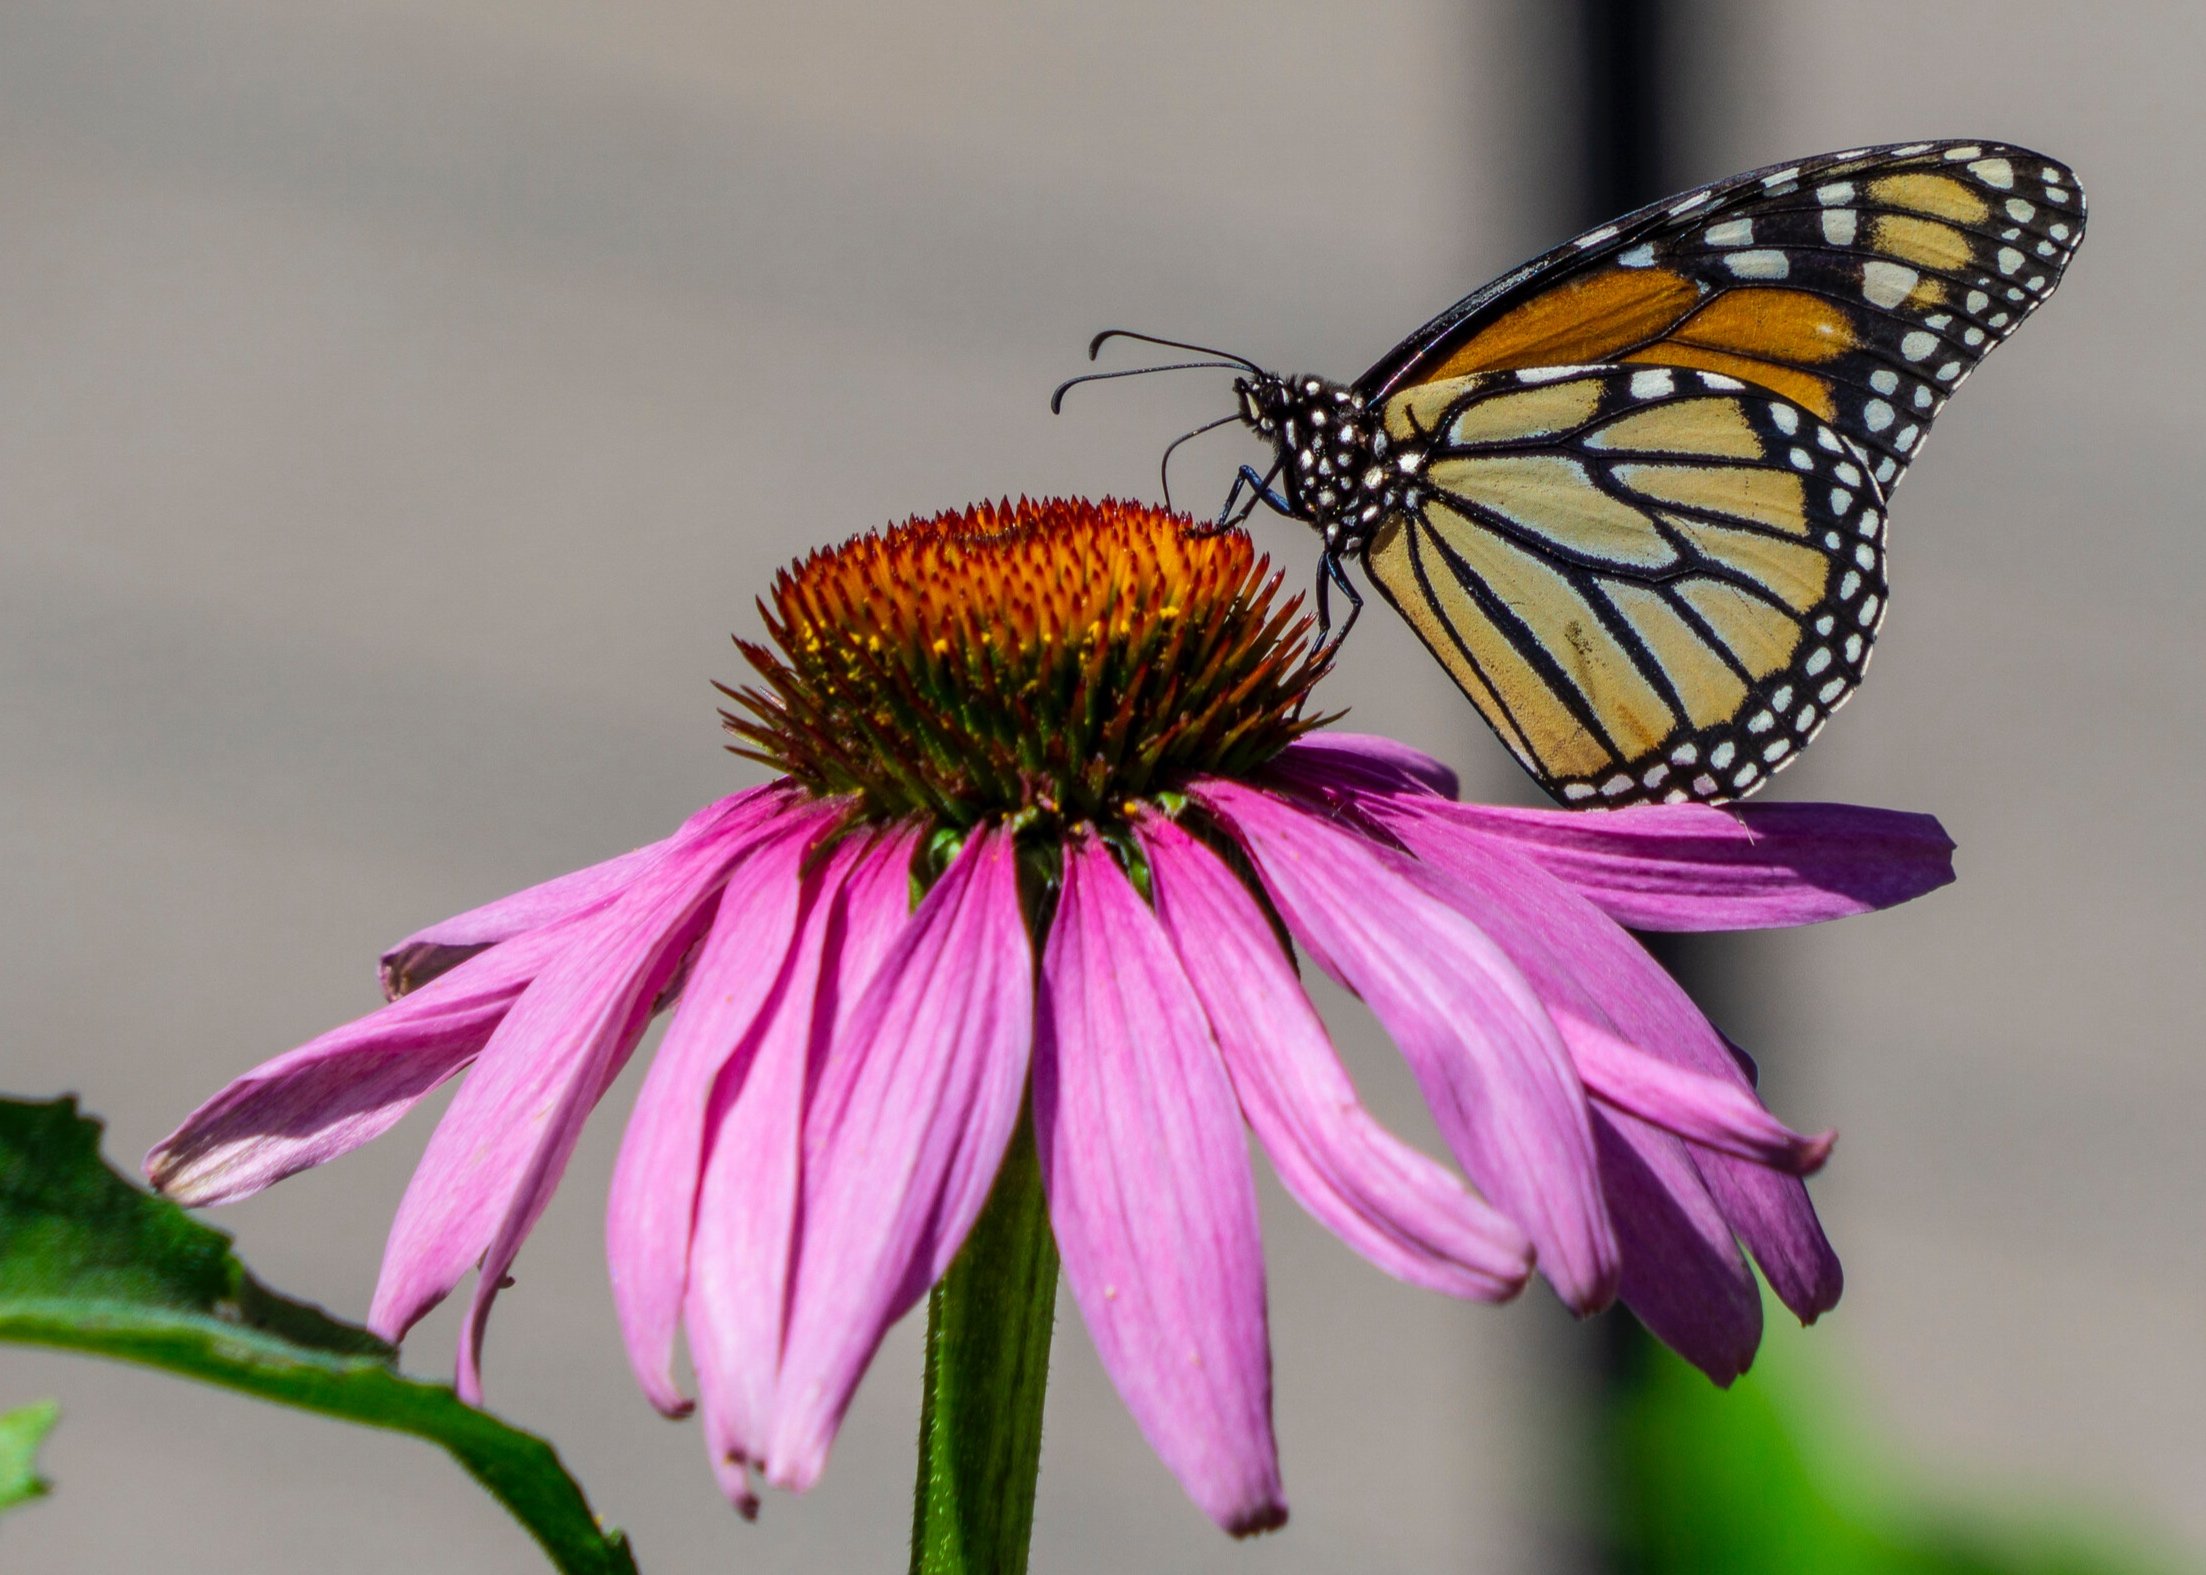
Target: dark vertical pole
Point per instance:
(1631, 58)
(1632, 67)
(1625, 115)
(1631, 135)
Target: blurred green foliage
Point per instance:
(21, 1432)
(1773, 1475)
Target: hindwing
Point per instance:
(1655, 583)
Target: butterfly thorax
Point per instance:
(1337, 468)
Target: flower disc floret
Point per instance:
(1053, 660)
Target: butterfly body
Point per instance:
(1632, 495)
(1338, 469)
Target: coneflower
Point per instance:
(1050, 802)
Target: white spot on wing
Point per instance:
(1731, 232)
(1839, 225)
(1886, 284)
(1638, 256)
(1915, 346)
(1547, 374)
(1836, 192)
(1653, 385)
(1759, 265)
(1994, 172)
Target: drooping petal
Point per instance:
(496, 1154)
(1369, 761)
(744, 1250)
(1485, 1053)
(1410, 1216)
(1683, 1276)
(426, 954)
(334, 1093)
(1151, 1196)
(651, 1204)
(1714, 1112)
(1741, 867)
(1774, 1217)
(915, 1107)
(1589, 960)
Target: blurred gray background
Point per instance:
(402, 400)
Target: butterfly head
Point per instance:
(1264, 401)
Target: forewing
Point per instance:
(1655, 583)
(1862, 286)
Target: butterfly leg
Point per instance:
(1331, 571)
(1260, 491)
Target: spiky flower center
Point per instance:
(1047, 661)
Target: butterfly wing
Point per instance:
(1861, 286)
(1654, 583)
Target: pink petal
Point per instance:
(428, 953)
(1683, 1276)
(498, 1151)
(1580, 959)
(334, 1093)
(1410, 1216)
(1682, 1273)
(1368, 761)
(1772, 1214)
(745, 1246)
(1489, 1060)
(914, 1110)
(1743, 867)
(1714, 1112)
(651, 1204)
(1151, 1197)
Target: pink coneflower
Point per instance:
(1050, 801)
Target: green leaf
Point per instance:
(21, 1432)
(1774, 1476)
(89, 1262)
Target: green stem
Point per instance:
(980, 1424)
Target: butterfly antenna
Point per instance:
(1164, 466)
(1097, 343)
(1057, 398)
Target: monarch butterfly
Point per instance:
(1632, 495)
